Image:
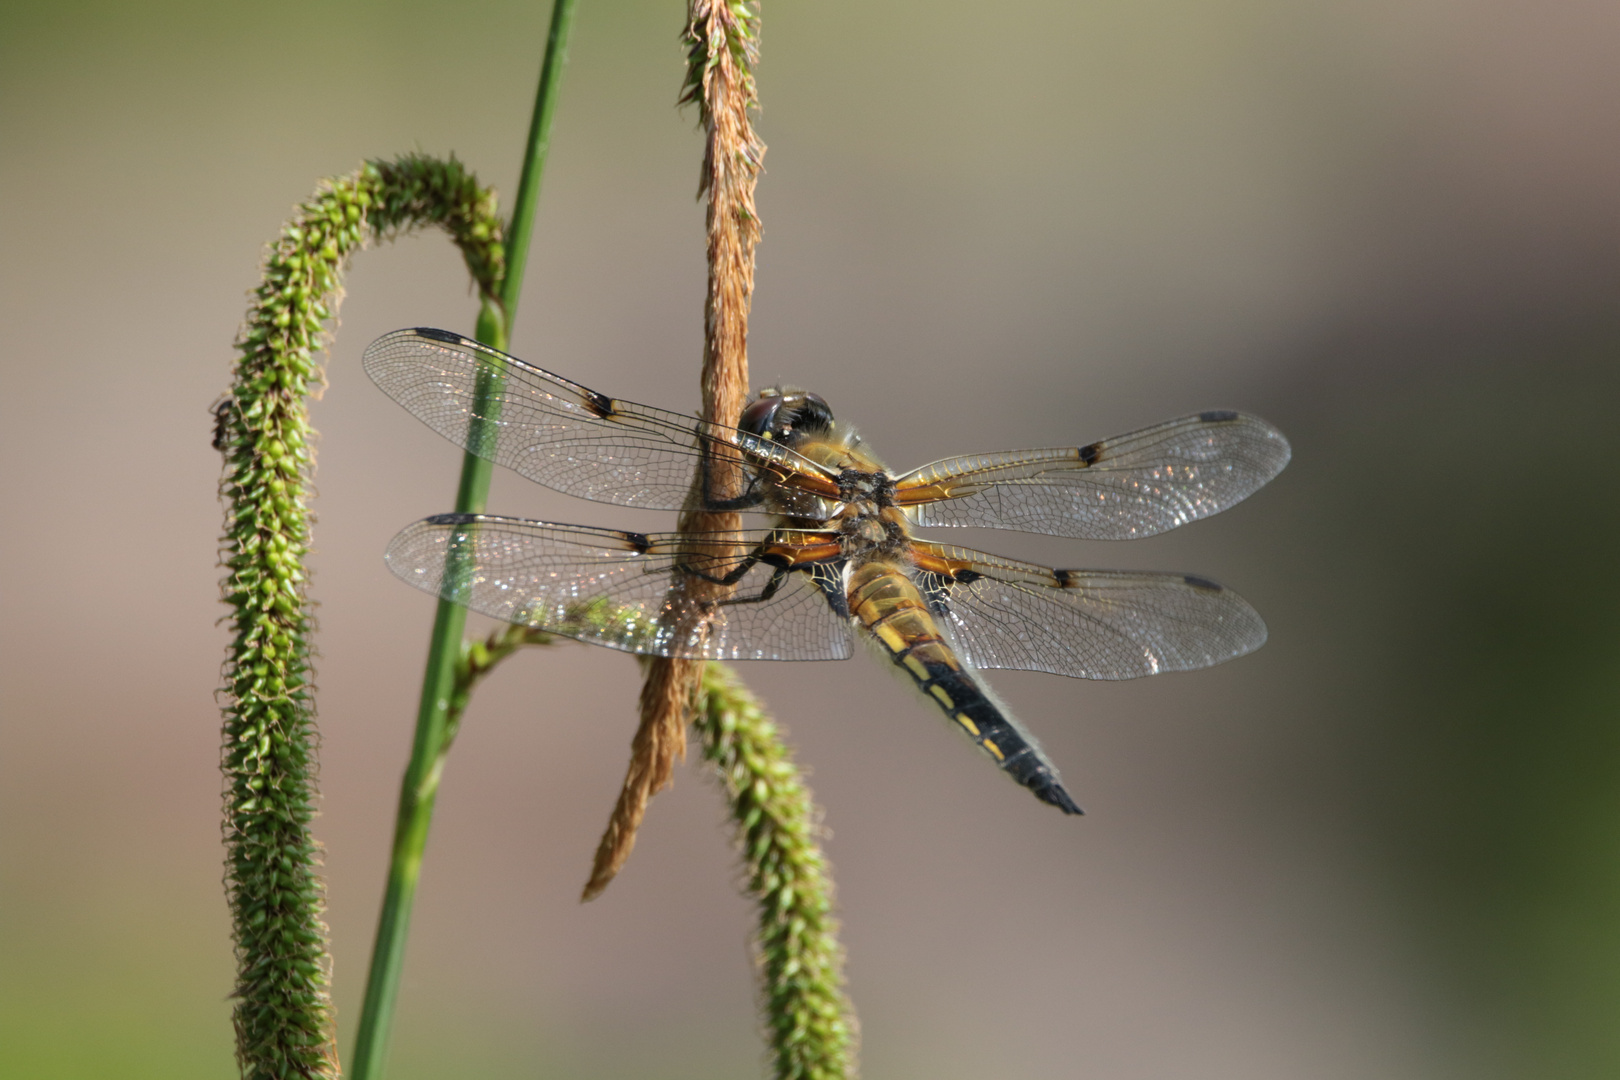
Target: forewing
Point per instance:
(613, 588)
(567, 436)
(1088, 624)
(1117, 489)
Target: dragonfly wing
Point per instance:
(613, 588)
(1118, 489)
(1088, 624)
(569, 437)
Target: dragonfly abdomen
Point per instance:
(883, 599)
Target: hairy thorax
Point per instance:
(869, 523)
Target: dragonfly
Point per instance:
(838, 561)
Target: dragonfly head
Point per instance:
(782, 415)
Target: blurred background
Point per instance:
(1387, 845)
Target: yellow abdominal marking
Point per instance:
(994, 749)
(917, 668)
(945, 699)
(973, 729)
(891, 637)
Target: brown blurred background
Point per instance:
(1387, 845)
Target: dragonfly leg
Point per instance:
(750, 497)
(765, 594)
(731, 577)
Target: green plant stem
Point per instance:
(534, 162)
(420, 785)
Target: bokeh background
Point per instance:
(1387, 845)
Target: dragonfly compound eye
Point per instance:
(760, 417)
(813, 413)
(777, 414)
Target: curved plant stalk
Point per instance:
(811, 1024)
(283, 1013)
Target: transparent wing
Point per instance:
(569, 437)
(613, 588)
(1088, 624)
(1117, 489)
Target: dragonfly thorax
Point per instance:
(866, 486)
(869, 523)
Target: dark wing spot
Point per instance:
(439, 335)
(966, 577)
(1201, 583)
(1090, 454)
(637, 542)
(1064, 577)
(1218, 416)
(452, 519)
(600, 404)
